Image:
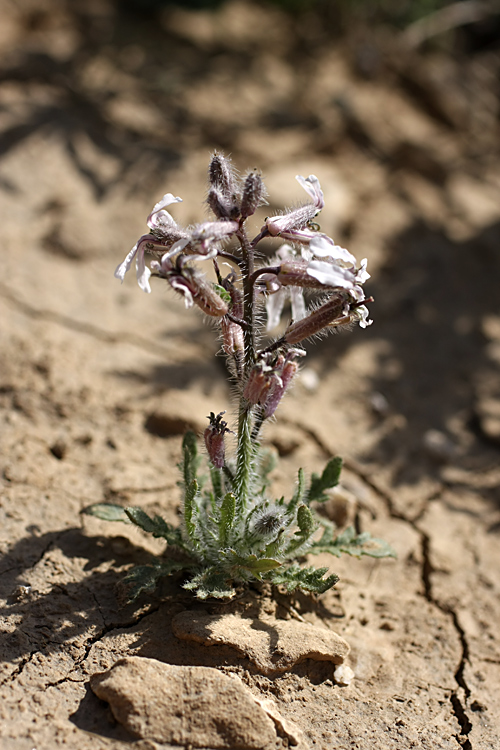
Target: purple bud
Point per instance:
(279, 386)
(224, 208)
(258, 384)
(214, 439)
(269, 379)
(253, 194)
(221, 175)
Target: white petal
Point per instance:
(364, 320)
(298, 303)
(124, 266)
(274, 306)
(182, 289)
(331, 275)
(143, 274)
(285, 251)
(362, 275)
(323, 247)
(176, 248)
(167, 200)
(313, 188)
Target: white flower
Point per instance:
(293, 224)
(275, 301)
(161, 223)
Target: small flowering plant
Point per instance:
(232, 531)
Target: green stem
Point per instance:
(243, 461)
(245, 447)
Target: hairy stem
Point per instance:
(245, 448)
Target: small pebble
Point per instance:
(343, 675)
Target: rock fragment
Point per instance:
(198, 707)
(272, 645)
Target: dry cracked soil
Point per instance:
(103, 108)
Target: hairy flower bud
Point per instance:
(277, 390)
(224, 208)
(214, 439)
(268, 522)
(253, 194)
(334, 312)
(270, 378)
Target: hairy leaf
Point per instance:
(156, 526)
(211, 583)
(306, 524)
(307, 579)
(329, 478)
(146, 577)
(107, 512)
(350, 543)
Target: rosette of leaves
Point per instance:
(222, 543)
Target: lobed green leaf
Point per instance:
(308, 579)
(329, 478)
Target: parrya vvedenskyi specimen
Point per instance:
(232, 530)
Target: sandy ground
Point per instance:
(101, 112)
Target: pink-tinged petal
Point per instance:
(298, 303)
(304, 236)
(357, 293)
(313, 188)
(274, 306)
(212, 253)
(331, 275)
(124, 266)
(323, 247)
(176, 248)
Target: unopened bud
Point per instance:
(221, 175)
(258, 384)
(277, 390)
(253, 193)
(223, 208)
(270, 378)
(214, 439)
(335, 312)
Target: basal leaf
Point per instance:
(107, 512)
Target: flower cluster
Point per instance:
(234, 532)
